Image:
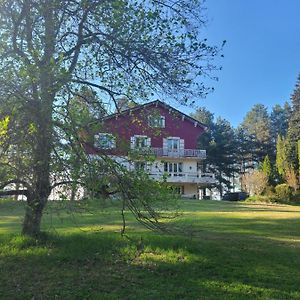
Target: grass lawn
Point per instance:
(238, 251)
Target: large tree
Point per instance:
(293, 135)
(222, 154)
(49, 49)
(220, 145)
(256, 125)
(279, 119)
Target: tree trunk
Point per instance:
(42, 119)
(33, 217)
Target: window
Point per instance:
(173, 167)
(173, 144)
(179, 189)
(140, 141)
(140, 166)
(105, 141)
(157, 121)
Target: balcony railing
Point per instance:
(186, 177)
(164, 152)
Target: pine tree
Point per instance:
(207, 118)
(221, 153)
(293, 135)
(220, 144)
(257, 126)
(245, 152)
(299, 157)
(279, 118)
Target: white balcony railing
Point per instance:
(164, 152)
(185, 177)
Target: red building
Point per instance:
(160, 130)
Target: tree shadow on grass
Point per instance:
(106, 266)
(229, 258)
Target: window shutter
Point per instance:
(165, 143)
(132, 142)
(113, 142)
(163, 122)
(148, 142)
(181, 147)
(96, 140)
(165, 146)
(181, 144)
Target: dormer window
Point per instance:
(105, 141)
(157, 121)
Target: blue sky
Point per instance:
(262, 54)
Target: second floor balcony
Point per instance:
(162, 152)
(186, 177)
(172, 153)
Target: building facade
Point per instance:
(162, 133)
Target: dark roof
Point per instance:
(158, 102)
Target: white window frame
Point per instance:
(173, 140)
(175, 168)
(140, 145)
(157, 121)
(105, 141)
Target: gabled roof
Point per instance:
(156, 103)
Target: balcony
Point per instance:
(186, 177)
(180, 153)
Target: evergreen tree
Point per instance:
(281, 159)
(244, 150)
(222, 154)
(293, 135)
(279, 121)
(220, 145)
(256, 126)
(207, 118)
(267, 168)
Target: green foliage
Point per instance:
(261, 199)
(62, 61)
(257, 128)
(283, 192)
(296, 196)
(267, 168)
(293, 135)
(279, 120)
(4, 127)
(207, 118)
(281, 157)
(298, 148)
(219, 143)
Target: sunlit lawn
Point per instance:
(237, 251)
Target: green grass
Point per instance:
(238, 251)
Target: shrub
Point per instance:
(255, 182)
(296, 196)
(261, 199)
(283, 192)
(269, 191)
(292, 179)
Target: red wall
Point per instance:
(128, 124)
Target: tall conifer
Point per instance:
(293, 135)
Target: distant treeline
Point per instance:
(268, 142)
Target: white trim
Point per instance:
(108, 141)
